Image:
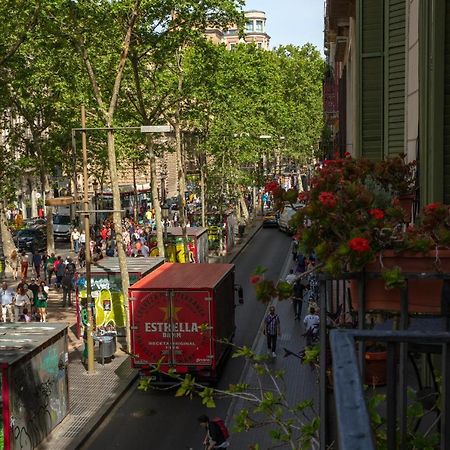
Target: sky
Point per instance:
(292, 21)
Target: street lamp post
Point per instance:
(165, 217)
(95, 187)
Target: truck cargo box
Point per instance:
(178, 314)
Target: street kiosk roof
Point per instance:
(184, 276)
(135, 265)
(20, 339)
(191, 231)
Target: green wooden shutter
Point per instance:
(382, 77)
(446, 149)
(371, 16)
(395, 81)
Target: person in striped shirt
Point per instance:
(272, 330)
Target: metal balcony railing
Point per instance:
(352, 428)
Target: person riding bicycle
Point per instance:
(214, 436)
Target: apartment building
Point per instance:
(254, 32)
(388, 84)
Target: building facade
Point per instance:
(254, 32)
(388, 84)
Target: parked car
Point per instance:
(270, 220)
(62, 227)
(36, 222)
(31, 239)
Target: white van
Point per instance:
(285, 217)
(62, 227)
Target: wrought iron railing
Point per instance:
(352, 426)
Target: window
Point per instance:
(232, 46)
(249, 26)
(61, 220)
(259, 25)
(260, 45)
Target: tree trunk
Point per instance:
(155, 197)
(181, 184)
(135, 194)
(202, 193)
(6, 236)
(117, 220)
(33, 191)
(48, 214)
(255, 202)
(244, 208)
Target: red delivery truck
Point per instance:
(178, 315)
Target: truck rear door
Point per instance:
(173, 327)
(191, 337)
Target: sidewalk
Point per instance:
(93, 396)
(300, 382)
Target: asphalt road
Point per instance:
(160, 421)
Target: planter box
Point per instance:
(406, 203)
(375, 370)
(424, 295)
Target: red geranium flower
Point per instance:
(255, 279)
(359, 244)
(271, 186)
(347, 155)
(430, 208)
(327, 199)
(303, 196)
(377, 213)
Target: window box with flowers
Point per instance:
(352, 221)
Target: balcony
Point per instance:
(415, 401)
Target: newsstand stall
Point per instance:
(173, 240)
(106, 288)
(34, 382)
(180, 315)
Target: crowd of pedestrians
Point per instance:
(304, 289)
(28, 301)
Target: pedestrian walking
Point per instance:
(7, 302)
(290, 277)
(311, 322)
(83, 238)
(24, 261)
(67, 286)
(75, 240)
(13, 262)
(37, 263)
(272, 330)
(22, 301)
(50, 268)
(216, 433)
(294, 250)
(59, 268)
(41, 302)
(297, 298)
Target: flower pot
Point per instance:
(375, 370)
(406, 203)
(424, 295)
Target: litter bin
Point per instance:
(241, 230)
(106, 346)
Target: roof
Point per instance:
(19, 339)
(184, 276)
(135, 265)
(191, 231)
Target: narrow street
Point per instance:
(158, 420)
